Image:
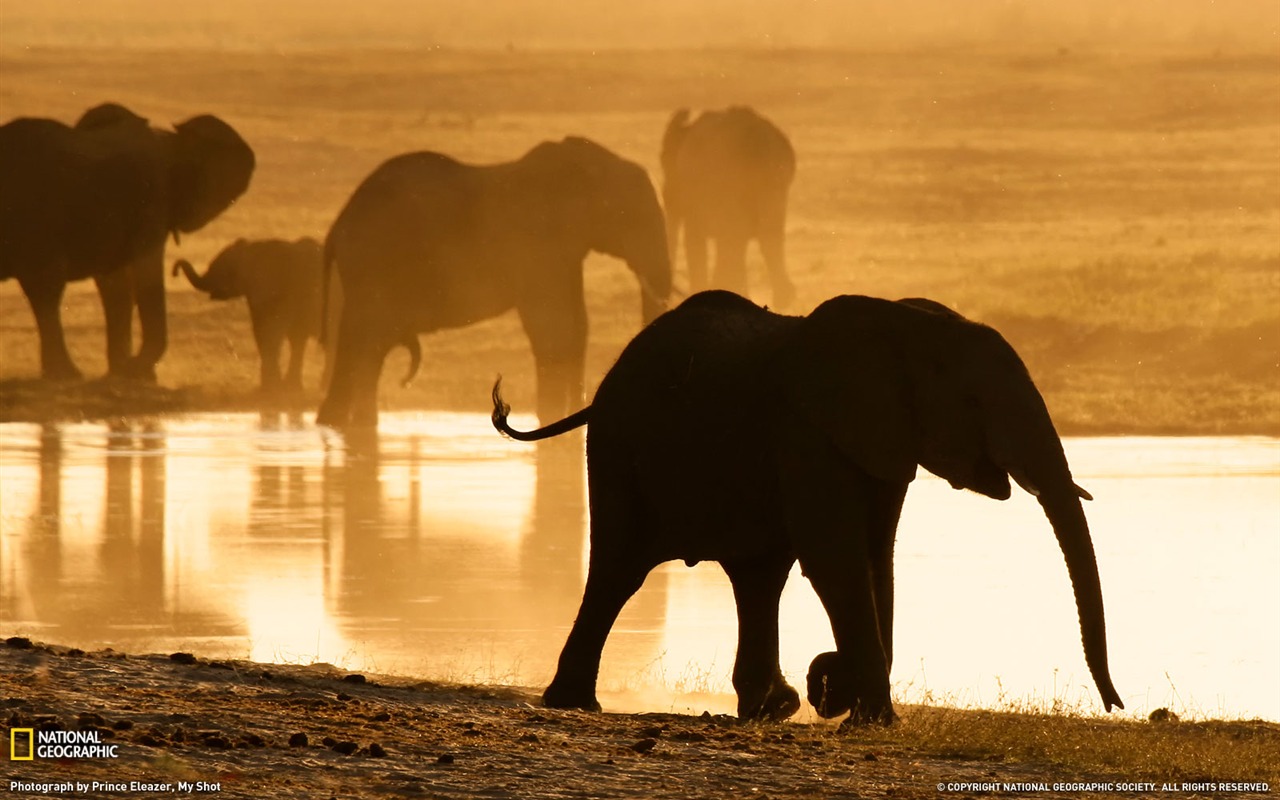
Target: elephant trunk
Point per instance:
(197, 280)
(1062, 508)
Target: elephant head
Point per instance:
(211, 168)
(919, 384)
(617, 209)
(223, 280)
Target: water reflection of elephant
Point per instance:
(126, 583)
(728, 433)
(414, 549)
(99, 200)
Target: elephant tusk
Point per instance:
(1081, 493)
(1022, 480)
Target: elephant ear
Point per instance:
(841, 372)
(212, 166)
(900, 389)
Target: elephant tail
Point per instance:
(500, 411)
(410, 341)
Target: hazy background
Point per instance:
(591, 24)
(1099, 180)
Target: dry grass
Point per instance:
(1116, 214)
(1078, 745)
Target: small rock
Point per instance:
(182, 658)
(254, 740)
(18, 642)
(472, 732)
(298, 740)
(90, 718)
(383, 717)
(644, 745)
(376, 751)
(355, 678)
(870, 757)
(689, 736)
(651, 733)
(1162, 715)
(122, 725)
(149, 741)
(329, 742)
(346, 748)
(343, 697)
(532, 738)
(447, 758)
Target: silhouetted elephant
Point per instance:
(427, 243)
(726, 177)
(281, 282)
(98, 200)
(728, 433)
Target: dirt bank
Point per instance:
(238, 729)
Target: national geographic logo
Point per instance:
(28, 744)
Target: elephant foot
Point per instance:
(779, 704)
(860, 717)
(831, 692)
(557, 696)
(62, 373)
(134, 370)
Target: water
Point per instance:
(442, 551)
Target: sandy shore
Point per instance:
(237, 729)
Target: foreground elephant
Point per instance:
(427, 243)
(280, 280)
(728, 433)
(98, 200)
(726, 177)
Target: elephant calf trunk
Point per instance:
(196, 279)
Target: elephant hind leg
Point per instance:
(618, 566)
(757, 677)
(731, 264)
(784, 291)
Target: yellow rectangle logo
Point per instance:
(13, 744)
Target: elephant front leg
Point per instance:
(829, 507)
(115, 289)
(45, 298)
(153, 319)
(882, 531)
(757, 677)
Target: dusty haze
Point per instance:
(607, 24)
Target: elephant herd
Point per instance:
(724, 432)
(424, 243)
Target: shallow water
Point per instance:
(442, 551)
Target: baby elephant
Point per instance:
(282, 282)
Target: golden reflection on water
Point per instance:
(439, 550)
